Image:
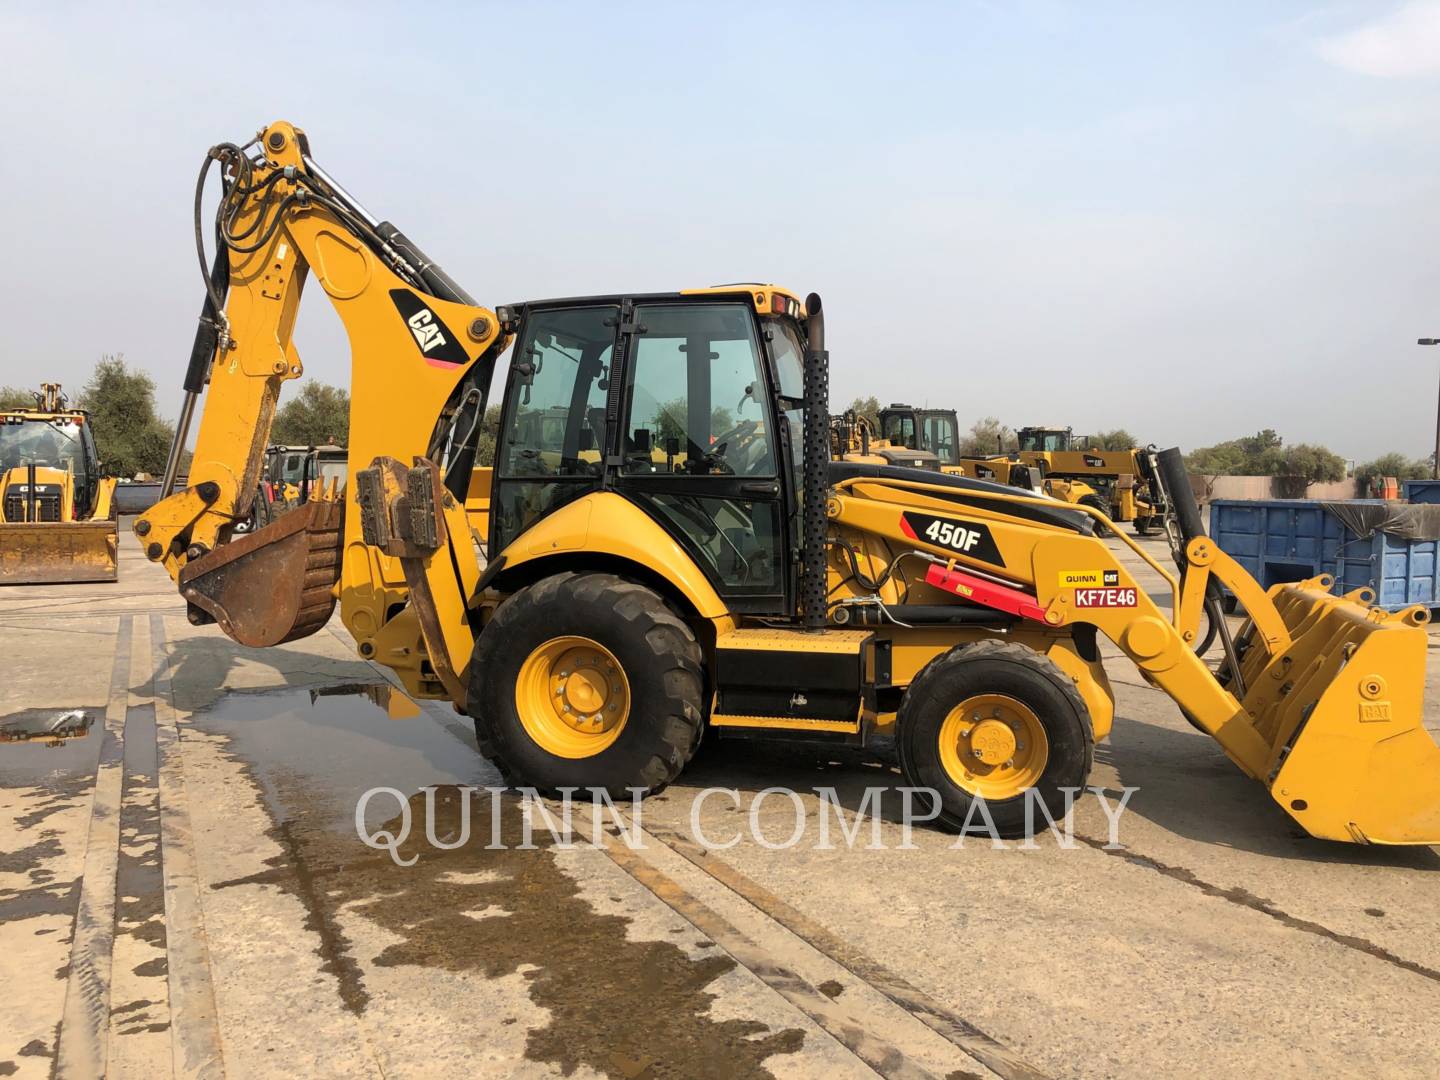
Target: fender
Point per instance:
(604, 523)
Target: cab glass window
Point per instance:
(697, 394)
(940, 438)
(553, 442)
(899, 429)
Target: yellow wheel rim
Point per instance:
(573, 697)
(993, 746)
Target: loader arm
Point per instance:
(415, 356)
(1326, 711)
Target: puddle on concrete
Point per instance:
(47, 747)
(56, 775)
(329, 745)
(624, 1008)
(395, 704)
(139, 877)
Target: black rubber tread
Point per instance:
(662, 663)
(1096, 502)
(995, 667)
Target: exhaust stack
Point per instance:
(817, 466)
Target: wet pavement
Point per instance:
(186, 888)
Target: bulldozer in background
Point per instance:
(747, 585)
(57, 522)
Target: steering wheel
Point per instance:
(529, 462)
(739, 434)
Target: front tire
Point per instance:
(993, 721)
(587, 681)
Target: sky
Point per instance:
(1188, 220)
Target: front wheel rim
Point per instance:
(572, 697)
(993, 746)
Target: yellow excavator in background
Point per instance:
(853, 438)
(672, 551)
(56, 518)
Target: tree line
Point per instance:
(132, 437)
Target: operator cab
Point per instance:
(1045, 440)
(59, 442)
(935, 430)
(688, 404)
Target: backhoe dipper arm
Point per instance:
(420, 350)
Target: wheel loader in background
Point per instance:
(57, 522)
(937, 432)
(1121, 477)
(681, 556)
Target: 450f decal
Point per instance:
(971, 539)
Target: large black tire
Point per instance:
(661, 661)
(1096, 502)
(995, 667)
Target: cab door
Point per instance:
(698, 447)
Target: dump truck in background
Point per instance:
(57, 520)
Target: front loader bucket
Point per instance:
(1342, 710)
(275, 584)
(56, 552)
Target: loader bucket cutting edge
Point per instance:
(57, 552)
(276, 584)
(1342, 710)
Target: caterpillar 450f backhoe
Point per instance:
(671, 549)
(57, 520)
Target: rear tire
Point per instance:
(1096, 502)
(659, 664)
(1021, 689)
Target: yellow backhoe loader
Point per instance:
(56, 518)
(679, 555)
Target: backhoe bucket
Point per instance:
(275, 584)
(1342, 710)
(56, 552)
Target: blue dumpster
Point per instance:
(1422, 491)
(1279, 540)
